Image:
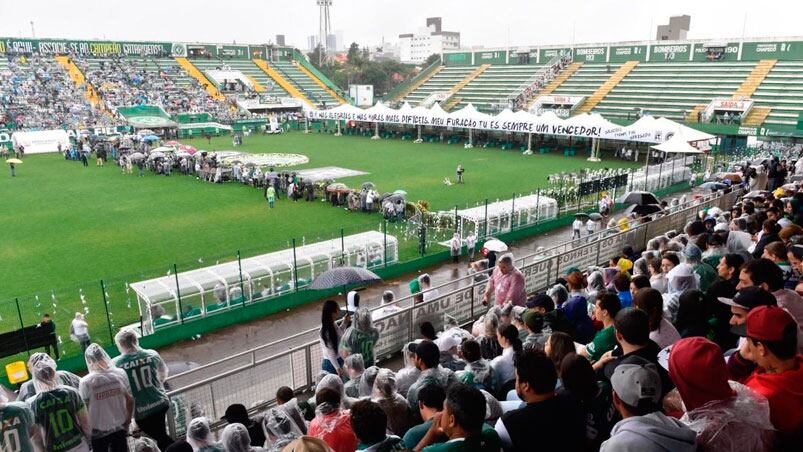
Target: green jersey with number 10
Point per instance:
(16, 420)
(57, 411)
(142, 368)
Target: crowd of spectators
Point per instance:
(37, 93)
(690, 344)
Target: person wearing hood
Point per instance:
(478, 371)
(107, 396)
(427, 360)
(388, 306)
(145, 444)
(332, 424)
(644, 428)
(280, 429)
(235, 438)
(361, 337)
(287, 402)
(17, 425)
(366, 388)
(489, 345)
(393, 404)
(725, 415)
(407, 375)
(370, 424)
(706, 273)
(150, 400)
(355, 366)
(237, 414)
(200, 438)
(59, 412)
(28, 389)
(681, 278)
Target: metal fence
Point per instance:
(253, 376)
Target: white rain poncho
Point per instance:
(680, 279)
(127, 341)
(199, 436)
(44, 374)
(235, 438)
(355, 366)
(736, 424)
(478, 374)
(292, 409)
(28, 389)
(493, 409)
(107, 391)
(407, 375)
(367, 381)
(361, 336)
(393, 404)
(145, 444)
(280, 429)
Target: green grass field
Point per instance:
(65, 227)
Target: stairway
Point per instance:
(692, 115)
(756, 116)
(283, 82)
(606, 87)
(196, 73)
(320, 83)
(257, 86)
(752, 82)
(451, 102)
(556, 82)
(462, 83)
(416, 84)
(90, 93)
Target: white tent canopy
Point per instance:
(678, 144)
(588, 125)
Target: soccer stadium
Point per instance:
(412, 246)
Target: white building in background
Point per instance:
(416, 47)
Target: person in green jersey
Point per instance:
(17, 426)
(360, 337)
(146, 372)
(270, 194)
(606, 306)
(59, 412)
(199, 436)
(461, 422)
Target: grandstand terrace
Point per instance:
(622, 81)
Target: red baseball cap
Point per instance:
(765, 323)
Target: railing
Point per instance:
(542, 74)
(252, 377)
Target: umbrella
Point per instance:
(343, 276)
(581, 215)
(188, 148)
(368, 186)
(156, 155)
(595, 216)
(14, 161)
(150, 138)
(639, 197)
(146, 132)
(495, 245)
(400, 192)
(713, 186)
(643, 209)
(337, 186)
(172, 143)
(136, 156)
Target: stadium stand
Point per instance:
(300, 79)
(493, 85)
(782, 92)
(442, 81)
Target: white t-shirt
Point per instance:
(665, 335)
(104, 394)
(503, 366)
(577, 225)
(430, 294)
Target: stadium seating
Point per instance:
(494, 86)
(782, 91)
(586, 80)
(304, 83)
(442, 81)
(253, 72)
(672, 89)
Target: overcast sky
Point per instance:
(481, 22)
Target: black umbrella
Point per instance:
(595, 216)
(343, 276)
(641, 210)
(639, 197)
(581, 215)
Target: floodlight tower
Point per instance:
(325, 27)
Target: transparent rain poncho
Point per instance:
(199, 436)
(44, 374)
(280, 429)
(97, 358)
(127, 341)
(145, 444)
(736, 424)
(407, 375)
(235, 438)
(367, 381)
